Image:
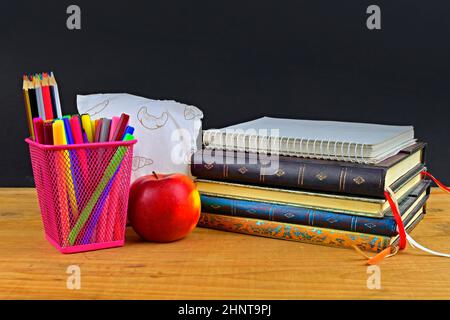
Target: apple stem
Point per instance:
(156, 176)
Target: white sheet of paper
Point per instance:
(155, 122)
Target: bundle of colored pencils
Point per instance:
(41, 97)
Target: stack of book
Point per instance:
(316, 182)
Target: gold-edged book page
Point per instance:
(398, 170)
(404, 190)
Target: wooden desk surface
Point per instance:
(210, 264)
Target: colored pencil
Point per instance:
(32, 96)
(52, 94)
(26, 98)
(55, 91)
(39, 99)
(48, 108)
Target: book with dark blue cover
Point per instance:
(324, 219)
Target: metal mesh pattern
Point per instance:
(83, 193)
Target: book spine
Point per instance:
(329, 176)
(298, 215)
(287, 231)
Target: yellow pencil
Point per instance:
(26, 97)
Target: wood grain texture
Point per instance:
(211, 264)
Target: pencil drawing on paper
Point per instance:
(150, 121)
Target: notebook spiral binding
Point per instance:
(321, 149)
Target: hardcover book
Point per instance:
(371, 207)
(300, 233)
(311, 174)
(318, 218)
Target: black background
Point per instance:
(236, 60)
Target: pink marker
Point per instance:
(76, 130)
(112, 129)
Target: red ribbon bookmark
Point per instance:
(398, 219)
(440, 184)
(390, 251)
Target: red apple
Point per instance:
(163, 208)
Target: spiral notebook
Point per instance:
(329, 140)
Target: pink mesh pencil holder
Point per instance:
(83, 193)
